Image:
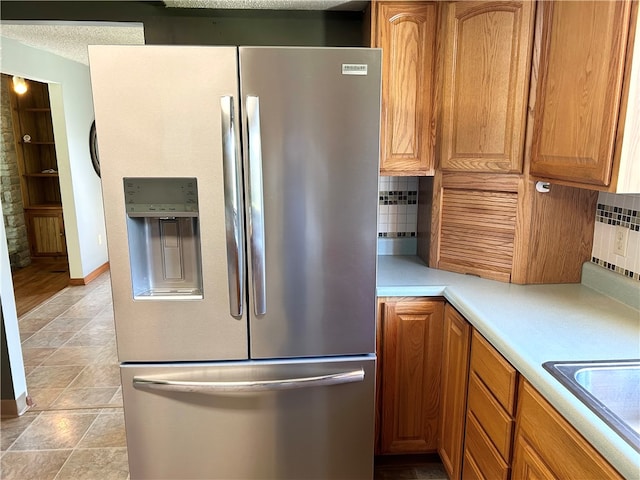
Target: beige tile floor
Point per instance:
(75, 429)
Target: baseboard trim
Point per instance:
(77, 282)
(14, 408)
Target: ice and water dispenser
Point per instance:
(164, 238)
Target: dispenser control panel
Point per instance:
(159, 197)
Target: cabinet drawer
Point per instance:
(495, 422)
(495, 372)
(481, 458)
(471, 469)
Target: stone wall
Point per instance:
(11, 195)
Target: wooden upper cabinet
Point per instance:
(487, 61)
(578, 97)
(476, 225)
(406, 32)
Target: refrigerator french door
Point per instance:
(240, 193)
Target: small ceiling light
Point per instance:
(19, 85)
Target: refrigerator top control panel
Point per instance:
(159, 197)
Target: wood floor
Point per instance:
(37, 282)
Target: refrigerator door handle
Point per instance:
(256, 218)
(233, 208)
(249, 385)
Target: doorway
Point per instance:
(32, 205)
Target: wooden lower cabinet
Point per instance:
(491, 401)
(443, 387)
(410, 358)
(45, 228)
(453, 396)
(547, 446)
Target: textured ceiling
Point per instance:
(70, 39)
(270, 4)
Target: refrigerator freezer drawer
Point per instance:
(281, 419)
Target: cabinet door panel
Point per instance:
(455, 369)
(578, 95)
(495, 372)
(495, 422)
(487, 62)
(407, 36)
(527, 464)
(477, 232)
(486, 461)
(556, 443)
(411, 360)
(46, 233)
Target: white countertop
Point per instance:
(533, 324)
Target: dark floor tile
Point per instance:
(434, 471)
(394, 473)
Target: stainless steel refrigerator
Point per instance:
(240, 194)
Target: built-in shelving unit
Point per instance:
(38, 167)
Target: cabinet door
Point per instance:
(527, 464)
(46, 233)
(547, 446)
(578, 95)
(487, 60)
(455, 370)
(406, 32)
(477, 224)
(411, 361)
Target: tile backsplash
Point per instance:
(397, 215)
(617, 211)
(398, 207)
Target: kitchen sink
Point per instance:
(610, 389)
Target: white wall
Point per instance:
(10, 319)
(72, 112)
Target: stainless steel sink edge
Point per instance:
(564, 372)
